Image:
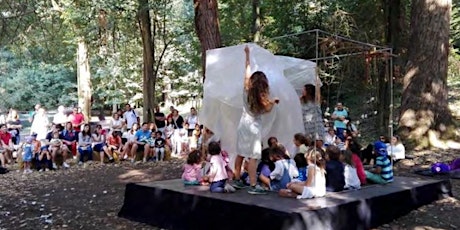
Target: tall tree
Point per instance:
(148, 58)
(425, 115)
(256, 20)
(207, 27)
(84, 79)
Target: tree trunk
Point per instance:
(256, 18)
(424, 106)
(84, 79)
(393, 27)
(149, 79)
(207, 27)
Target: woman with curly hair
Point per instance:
(257, 101)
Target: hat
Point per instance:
(34, 134)
(29, 139)
(380, 148)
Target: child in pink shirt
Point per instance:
(192, 169)
(218, 173)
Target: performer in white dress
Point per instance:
(257, 101)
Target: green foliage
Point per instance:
(25, 83)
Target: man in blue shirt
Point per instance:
(141, 143)
(340, 116)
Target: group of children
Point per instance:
(313, 171)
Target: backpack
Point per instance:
(440, 168)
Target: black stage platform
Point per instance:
(171, 205)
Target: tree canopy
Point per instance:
(39, 42)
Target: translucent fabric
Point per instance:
(223, 93)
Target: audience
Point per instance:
(309, 174)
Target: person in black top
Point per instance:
(159, 146)
(335, 178)
(160, 119)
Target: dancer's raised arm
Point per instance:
(317, 91)
(247, 75)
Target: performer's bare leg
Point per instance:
(252, 171)
(238, 163)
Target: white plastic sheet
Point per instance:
(223, 93)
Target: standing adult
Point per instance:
(171, 111)
(340, 116)
(178, 122)
(130, 117)
(256, 101)
(77, 118)
(160, 120)
(60, 117)
(40, 124)
(192, 121)
(33, 112)
(116, 124)
(311, 111)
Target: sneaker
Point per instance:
(144, 160)
(65, 165)
(238, 184)
(47, 169)
(257, 190)
(41, 170)
(80, 163)
(229, 189)
(54, 166)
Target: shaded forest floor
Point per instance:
(90, 197)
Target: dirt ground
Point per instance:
(90, 198)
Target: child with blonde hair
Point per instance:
(315, 186)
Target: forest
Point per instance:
(102, 53)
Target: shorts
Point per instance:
(140, 147)
(99, 147)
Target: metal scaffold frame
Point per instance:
(369, 48)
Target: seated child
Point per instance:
(350, 174)
(183, 133)
(285, 169)
(227, 160)
(335, 180)
(315, 186)
(159, 146)
(382, 172)
(264, 169)
(300, 141)
(192, 169)
(217, 175)
(301, 163)
(355, 148)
